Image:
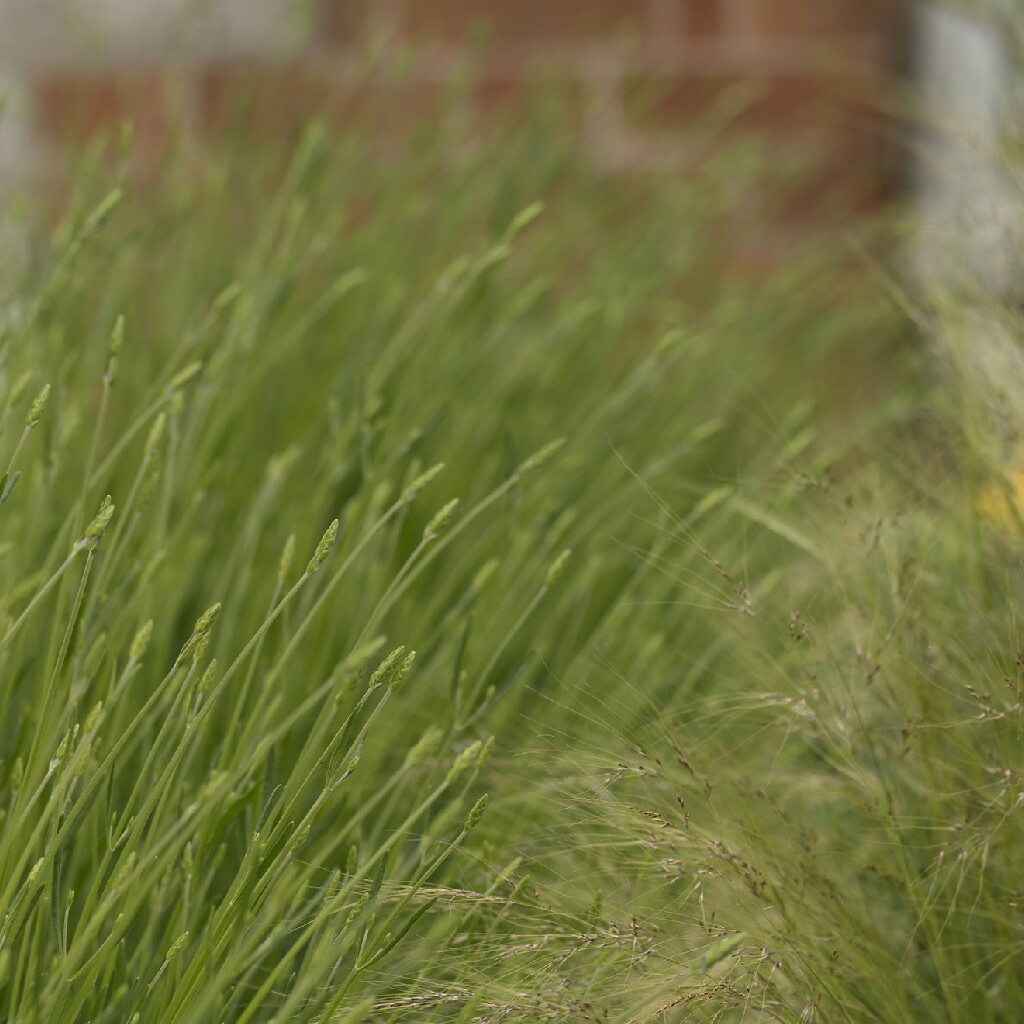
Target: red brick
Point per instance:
(824, 17)
(355, 22)
(277, 102)
(72, 109)
(703, 19)
(843, 176)
(503, 99)
(774, 104)
(265, 101)
(503, 22)
(820, 149)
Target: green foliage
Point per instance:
(223, 799)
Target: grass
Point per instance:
(714, 711)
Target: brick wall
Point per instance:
(651, 82)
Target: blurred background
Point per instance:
(838, 96)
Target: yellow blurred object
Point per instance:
(1002, 504)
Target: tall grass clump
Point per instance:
(819, 814)
(320, 523)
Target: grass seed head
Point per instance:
(422, 481)
(466, 759)
(94, 656)
(38, 407)
(278, 465)
(19, 388)
(176, 946)
(442, 518)
(226, 297)
(386, 672)
(102, 212)
(205, 621)
(323, 549)
(357, 908)
(524, 219)
(113, 351)
(200, 633)
(148, 489)
(542, 456)
(485, 753)
(140, 642)
(287, 556)
(207, 678)
(483, 574)
(36, 871)
(557, 568)
(95, 530)
(475, 814)
(199, 648)
(427, 745)
(180, 379)
(155, 433)
(92, 718)
(403, 670)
